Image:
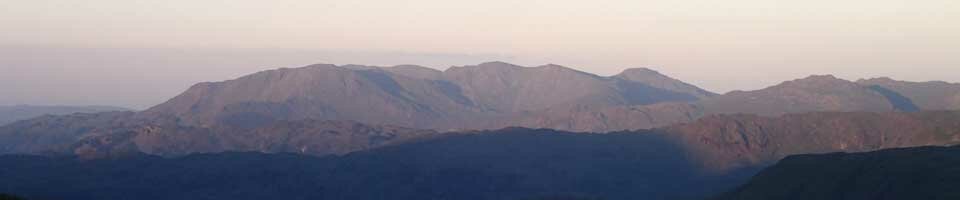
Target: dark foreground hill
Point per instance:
(9, 197)
(507, 164)
(909, 173)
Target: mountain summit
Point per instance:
(658, 80)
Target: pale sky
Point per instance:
(137, 53)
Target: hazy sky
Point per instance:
(137, 53)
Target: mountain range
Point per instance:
(502, 131)
(498, 95)
(327, 109)
(306, 109)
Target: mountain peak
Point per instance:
(810, 94)
(639, 71)
(414, 67)
(487, 66)
(498, 64)
(554, 66)
(823, 77)
(818, 81)
(658, 80)
(359, 67)
(318, 65)
(878, 80)
(415, 71)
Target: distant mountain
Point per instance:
(497, 95)
(658, 80)
(811, 94)
(910, 173)
(328, 109)
(410, 132)
(933, 95)
(415, 96)
(10, 114)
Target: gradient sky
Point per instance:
(137, 53)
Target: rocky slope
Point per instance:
(601, 119)
(727, 142)
(120, 134)
(910, 173)
(720, 142)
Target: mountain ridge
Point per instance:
(930, 95)
(409, 95)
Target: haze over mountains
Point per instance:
(492, 100)
(455, 126)
(10, 114)
(265, 110)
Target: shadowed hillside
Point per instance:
(505, 164)
(909, 173)
(933, 95)
(686, 161)
(720, 142)
(732, 141)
